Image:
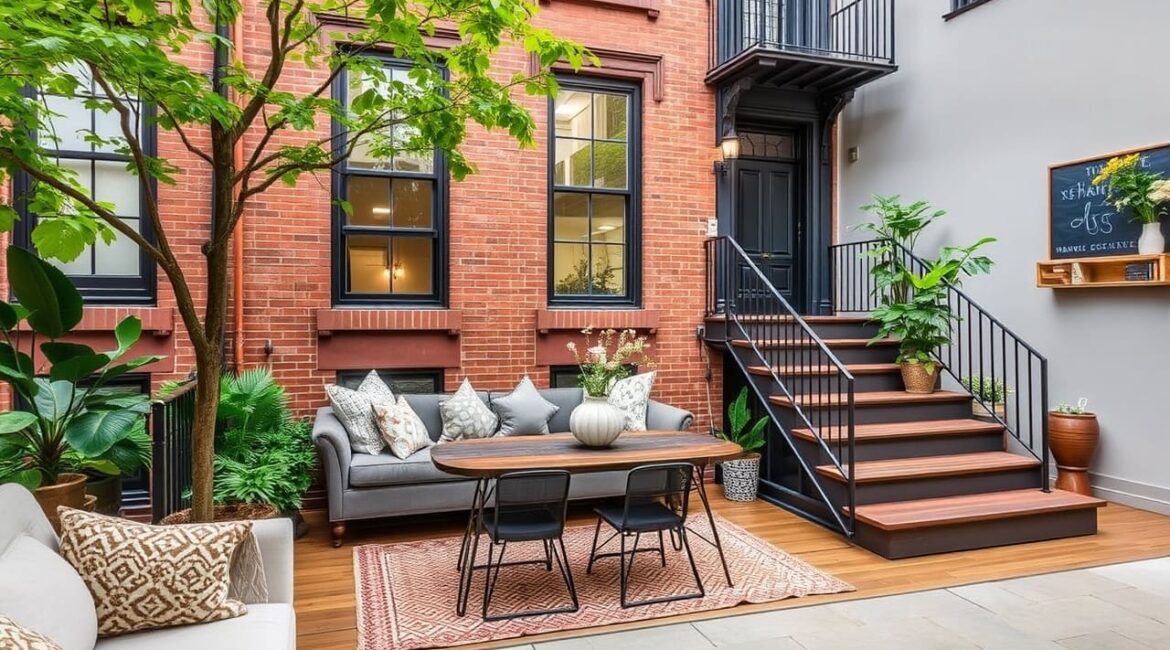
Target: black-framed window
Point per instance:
(119, 273)
(595, 190)
(568, 376)
(390, 247)
(402, 382)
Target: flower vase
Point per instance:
(1151, 241)
(597, 423)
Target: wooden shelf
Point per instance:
(1101, 272)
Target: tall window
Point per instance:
(596, 180)
(389, 248)
(117, 273)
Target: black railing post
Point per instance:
(1045, 470)
(159, 454)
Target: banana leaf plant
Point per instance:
(69, 417)
(738, 418)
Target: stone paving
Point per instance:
(1119, 607)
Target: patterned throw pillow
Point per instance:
(148, 577)
(354, 409)
(632, 395)
(524, 411)
(466, 416)
(402, 429)
(15, 637)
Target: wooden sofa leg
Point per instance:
(338, 533)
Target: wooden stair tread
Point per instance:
(811, 320)
(901, 469)
(805, 343)
(969, 508)
(911, 429)
(854, 368)
(873, 398)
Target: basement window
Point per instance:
(402, 382)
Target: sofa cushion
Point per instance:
(264, 627)
(401, 428)
(426, 406)
(377, 470)
(632, 395)
(566, 398)
(523, 412)
(14, 636)
(466, 417)
(354, 408)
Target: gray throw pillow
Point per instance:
(524, 412)
(465, 416)
(355, 410)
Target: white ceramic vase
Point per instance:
(1151, 242)
(596, 423)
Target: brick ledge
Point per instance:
(367, 320)
(548, 320)
(159, 321)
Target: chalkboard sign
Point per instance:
(1082, 224)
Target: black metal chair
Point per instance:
(656, 501)
(530, 507)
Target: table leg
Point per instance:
(699, 471)
(467, 570)
(467, 529)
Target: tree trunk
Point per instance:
(208, 368)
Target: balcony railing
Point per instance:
(847, 30)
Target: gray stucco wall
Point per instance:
(980, 107)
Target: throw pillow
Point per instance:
(148, 577)
(15, 637)
(41, 590)
(524, 411)
(354, 409)
(402, 429)
(632, 395)
(466, 416)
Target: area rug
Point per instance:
(406, 592)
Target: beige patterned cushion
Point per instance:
(354, 409)
(632, 395)
(402, 429)
(15, 637)
(466, 416)
(148, 577)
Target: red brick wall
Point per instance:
(497, 223)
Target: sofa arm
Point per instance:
(333, 445)
(664, 417)
(275, 539)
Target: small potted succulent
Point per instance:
(1073, 434)
(993, 393)
(741, 477)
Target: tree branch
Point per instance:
(183, 135)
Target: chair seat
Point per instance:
(522, 526)
(642, 517)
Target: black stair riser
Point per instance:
(914, 412)
(916, 542)
(965, 443)
(808, 384)
(823, 330)
(935, 486)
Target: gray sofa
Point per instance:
(369, 486)
(41, 591)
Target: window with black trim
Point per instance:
(595, 179)
(118, 273)
(389, 246)
(569, 376)
(402, 382)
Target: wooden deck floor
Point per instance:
(325, 588)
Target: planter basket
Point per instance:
(741, 478)
(917, 379)
(227, 512)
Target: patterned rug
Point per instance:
(406, 592)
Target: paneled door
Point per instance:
(766, 226)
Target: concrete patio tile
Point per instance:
(774, 625)
(992, 597)
(901, 634)
(1078, 616)
(1150, 575)
(987, 630)
(1102, 641)
(675, 637)
(1141, 602)
(1057, 586)
(893, 608)
(782, 643)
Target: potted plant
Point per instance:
(741, 477)
(993, 392)
(71, 420)
(595, 422)
(1142, 193)
(1073, 434)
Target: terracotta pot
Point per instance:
(980, 411)
(227, 512)
(917, 379)
(108, 490)
(68, 491)
(1073, 441)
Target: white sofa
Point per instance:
(39, 590)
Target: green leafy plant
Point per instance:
(1080, 408)
(250, 126)
(72, 419)
(738, 418)
(897, 225)
(600, 366)
(988, 389)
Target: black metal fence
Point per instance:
(1007, 376)
(172, 421)
(861, 30)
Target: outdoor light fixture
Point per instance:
(729, 148)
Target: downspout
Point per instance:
(237, 38)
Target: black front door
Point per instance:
(766, 226)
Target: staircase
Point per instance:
(903, 474)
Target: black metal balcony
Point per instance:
(825, 46)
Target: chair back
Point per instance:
(667, 483)
(533, 491)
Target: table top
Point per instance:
(488, 457)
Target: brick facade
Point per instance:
(497, 314)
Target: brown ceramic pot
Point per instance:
(68, 491)
(917, 379)
(1073, 441)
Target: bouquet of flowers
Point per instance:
(601, 366)
(1132, 187)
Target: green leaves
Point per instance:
(15, 421)
(738, 416)
(94, 432)
(53, 304)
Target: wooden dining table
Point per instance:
(486, 459)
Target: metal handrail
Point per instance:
(172, 420)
